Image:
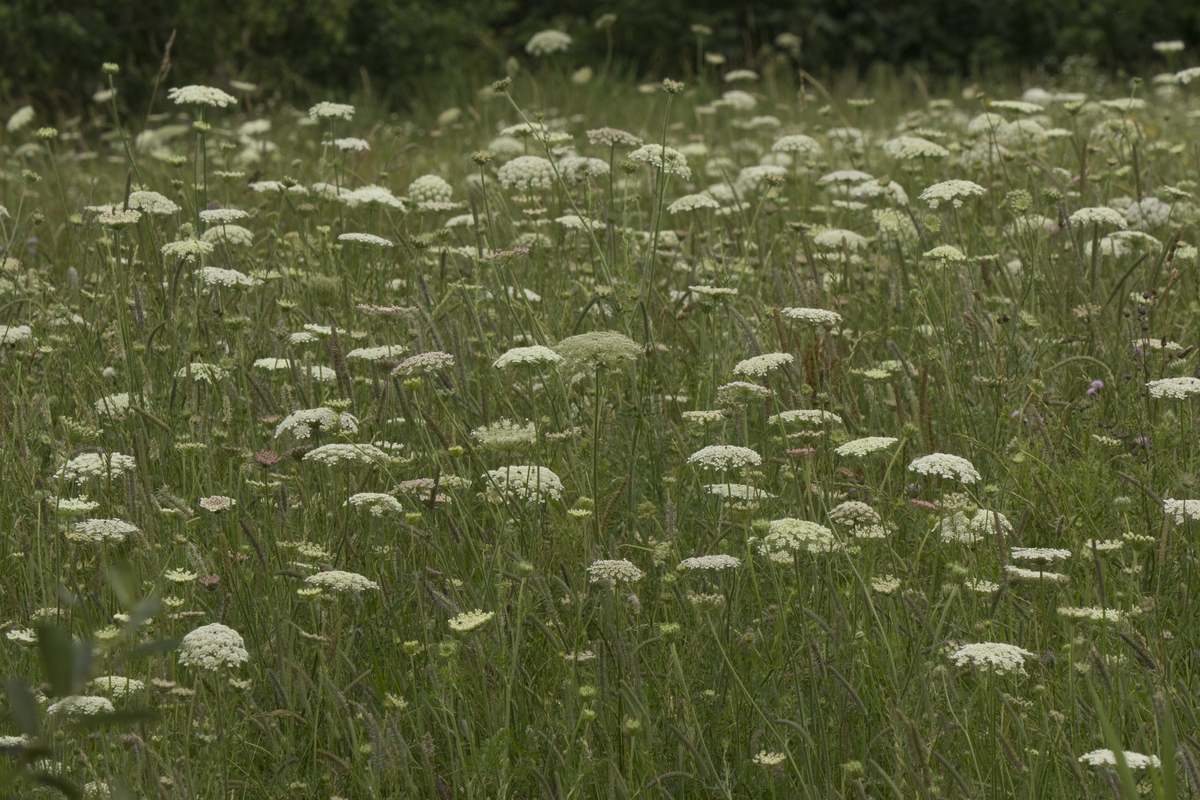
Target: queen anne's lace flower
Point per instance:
(714, 562)
(1177, 388)
(666, 158)
(912, 147)
(470, 620)
(1106, 758)
(797, 143)
(154, 204)
(543, 43)
(737, 491)
(589, 351)
(533, 355)
(866, 445)
(526, 483)
(187, 249)
(992, 657)
(220, 216)
(101, 531)
(376, 502)
(1099, 216)
(430, 189)
(526, 172)
(301, 423)
(12, 334)
(613, 570)
(692, 202)
(722, 457)
(335, 580)
(326, 110)
(364, 238)
(945, 254)
(954, 190)
(201, 96)
(117, 686)
(229, 278)
(80, 705)
(789, 535)
(837, 239)
(945, 465)
(96, 465)
(379, 353)
(424, 362)
(610, 137)
(761, 365)
(805, 416)
(208, 373)
(333, 454)
(813, 316)
(212, 647)
(1182, 510)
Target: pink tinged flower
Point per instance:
(217, 503)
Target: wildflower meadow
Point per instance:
(749, 435)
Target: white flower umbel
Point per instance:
(813, 316)
(334, 454)
(865, 446)
(526, 172)
(992, 657)
(797, 143)
(470, 620)
(954, 191)
(201, 96)
(692, 202)
(543, 43)
(1106, 758)
(722, 457)
(805, 416)
(80, 705)
(944, 465)
(1182, 510)
(613, 570)
(666, 158)
(760, 365)
(526, 483)
(534, 355)
(326, 110)
(715, 563)
(101, 531)
(364, 238)
(1175, 388)
(212, 647)
(336, 580)
(1100, 216)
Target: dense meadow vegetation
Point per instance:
(743, 438)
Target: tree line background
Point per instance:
(51, 50)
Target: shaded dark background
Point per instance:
(50, 52)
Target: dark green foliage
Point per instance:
(51, 51)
